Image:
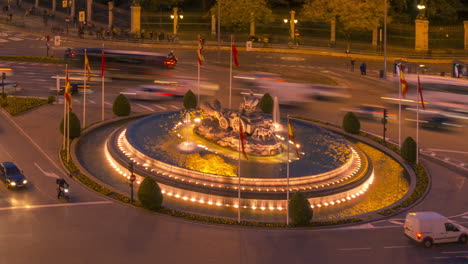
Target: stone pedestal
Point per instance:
(135, 21)
(111, 14)
(465, 23)
(421, 35)
(213, 25)
(375, 32)
(89, 11)
(252, 24)
(333, 32)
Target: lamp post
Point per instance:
(385, 41)
(422, 10)
(176, 16)
(132, 179)
(292, 22)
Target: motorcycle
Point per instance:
(65, 193)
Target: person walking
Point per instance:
(352, 65)
(363, 68)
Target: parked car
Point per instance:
(12, 176)
(428, 228)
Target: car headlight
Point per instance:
(65, 190)
(25, 181)
(13, 183)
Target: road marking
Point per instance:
(4, 150)
(147, 108)
(390, 247)
(453, 252)
(465, 217)
(15, 39)
(175, 107)
(52, 205)
(160, 107)
(91, 101)
(349, 249)
(40, 80)
(107, 103)
(76, 100)
(451, 151)
(48, 174)
(395, 222)
(441, 257)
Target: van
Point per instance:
(428, 228)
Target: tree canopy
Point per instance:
(236, 14)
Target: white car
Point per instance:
(428, 228)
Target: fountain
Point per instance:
(187, 145)
(276, 116)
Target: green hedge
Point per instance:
(16, 105)
(41, 59)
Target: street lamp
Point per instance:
(292, 22)
(422, 10)
(176, 16)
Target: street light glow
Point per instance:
(295, 21)
(172, 16)
(421, 7)
(285, 21)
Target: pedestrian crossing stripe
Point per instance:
(175, 107)
(160, 107)
(15, 39)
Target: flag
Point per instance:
(200, 54)
(67, 92)
(103, 63)
(404, 84)
(88, 68)
(293, 138)
(420, 93)
(235, 53)
(243, 139)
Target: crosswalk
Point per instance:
(137, 106)
(13, 36)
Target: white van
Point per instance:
(429, 228)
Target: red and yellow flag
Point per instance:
(420, 93)
(404, 84)
(242, 138)
(67, 91)
(88, 68)
(235, 54)
(292, 138)
(200, 54)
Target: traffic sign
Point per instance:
(132, 178)
(64, 3)
(82, 16)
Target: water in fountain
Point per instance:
(187, 145)
(276, 116)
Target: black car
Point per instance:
(12, 176)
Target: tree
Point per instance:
(75, 126)
(190, 100)
(299, 209)
(150, 194)
(408, 150)
(236, 14)
(351, 123)
(266, 103)
(363, 15)
(121, 106)
(153, 5)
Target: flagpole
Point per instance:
(230, 75)
(399, 108)
(68, 135)
(239, 178)
(198, 85)
(65, 112)
(417, 131)
(287, 179)
(102, 80)
(84, 89)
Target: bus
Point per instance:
(123, 63)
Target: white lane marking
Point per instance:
(363, 226)
(390, 247)
(350, 249)
(15, 39)
(465, 217)
(76, 101)
(175, 107)
(3, 40)
(4, 150)
(48, 174)
(147, 108)
(160, 107)
(40, 80)
(107, 103)
(292, 58)
(7, 116)
(332, 73)
(447, 150)
(395, 222)
(91, 101)
(52, 205)
(453, 252)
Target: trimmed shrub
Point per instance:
(351, 123)
(75, 126)
(266, 103)
(121, 106)
(299, 209)
(408, 150)
(149, 194)
(51, 99)
(190, 100)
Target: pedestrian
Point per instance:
(11, 17)
(363, 68)
(151, 35)
(352, 65)
(161, 36)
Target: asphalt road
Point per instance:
(36, 228)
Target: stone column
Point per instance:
(252, 24)
(333, 32)
(72, 9)
(421, 35)
(135, 19)
(213, 25)
(465, 23)
(36, 4)
(375, 36)
(291, 24)
(54, 6)
(89, 11)
(111, 14)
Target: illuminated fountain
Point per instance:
(330, 170)
(276, 116)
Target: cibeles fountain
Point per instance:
(329, 169)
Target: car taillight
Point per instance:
(169, 62)
(419, 235)
(404, 227)
(72, 54)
